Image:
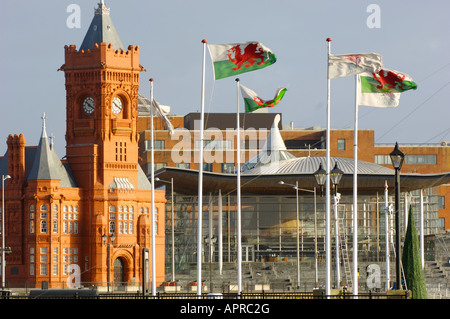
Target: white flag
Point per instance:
(340, 65)
(158, 110)
(162, 113)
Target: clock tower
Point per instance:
(102, 82)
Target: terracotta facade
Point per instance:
(60, 214)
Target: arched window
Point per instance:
(125, 209)
(65, 209)
(112, 209)
(131, 209)
(120, 209)
(44, 208)
(31, 208)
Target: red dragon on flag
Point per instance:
(252, 54)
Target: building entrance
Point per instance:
(119, 275)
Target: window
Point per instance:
(207, 167)
(215, 145)
(43, 226)
(65, 209)
(130, 225)
(43, 269)
(112, 209)
(157, 166)
(43, 208)
(31, 208)
(159, 144)
(183, 165)
(341, 144)
(112, 227)
(32, 227)
(228, 168)
(121, 151)
(55, 226)
(420, 159)
(55, 207)
(383, 160)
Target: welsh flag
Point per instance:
(236, 58)
(254, 102)
(383, 89)
(340, 65)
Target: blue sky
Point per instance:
(413, 37)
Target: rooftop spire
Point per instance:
(101, 30)
(44, 131)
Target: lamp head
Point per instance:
(397, 157)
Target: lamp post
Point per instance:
(335, 177)
(397, 158)
(112, 237)
(157, 179)
(4, 178)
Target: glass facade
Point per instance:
(269, 226)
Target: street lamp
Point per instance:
(321, 176)
(112, 237)
(335, 177)
(157, 179)
(4, 178)
(397, 158)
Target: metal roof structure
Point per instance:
(261, 174)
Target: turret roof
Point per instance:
(101, 30)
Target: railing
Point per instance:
(244, 296)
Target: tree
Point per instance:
(412, 264)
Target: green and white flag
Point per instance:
(236, 58)
(383, 89)
(254, 102)
(340, 65)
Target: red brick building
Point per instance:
(421, 159)
(61, 214)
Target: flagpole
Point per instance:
(200, 181)
(355, 193)
(386, 230)
(327, 204)
(238, 194)
(152, 191)
(219, 225)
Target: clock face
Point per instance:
(117, 105)
(88, 105)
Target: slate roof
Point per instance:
(101, 30)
